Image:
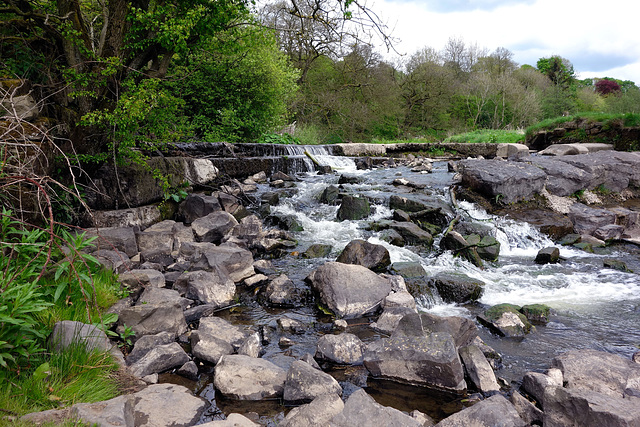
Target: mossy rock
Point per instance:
(587, 247)
(617, 265)
(354, 208)
(408, 269)
(569, 239)
(506, 320)
(317, 250)
(487, 247)
(536, 313)
(431, 228)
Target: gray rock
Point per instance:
(389, 319)
(282, 292)
(535, 383)
(247, 378)
(478, 369)
(141, 216)
(412, 233)
(399, 299)
(197, 206)
(251, 346)
(159, 359)
(408, 269)
(115, 261)
(167, 405)
(457, 287)
(505, 181)
(213, 227)
(222, 329)
(527, 410)
(287, 324)
(345, 348)
(599, 371)
(116, 412)
(361, 410)
(189, 370)
(147, 343)
(586, 220)
(318, 413)
(304, 383)
(463, 330)
(68, 333)
(330, 195)
(138, 279)
(495, 411)
(317, 250)
(122, 239)
(237, 262)
(360, 252)
(428, 360)
(353, 208)
(151, 319)
(571, 407)
(349, 290)
(512, 150)
(153, 295)
(233, 420)
(214, 287)
(506, 320)
(208, 347)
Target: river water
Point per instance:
(592, 307)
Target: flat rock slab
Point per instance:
(317, 413)
(361, 410)
(305, 383)
(495, 411)
(247, 378)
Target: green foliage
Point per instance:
(608, 119)
(276, 138)
(236, 85)
(487, 135)
(558, 69)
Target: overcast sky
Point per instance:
(601, 39)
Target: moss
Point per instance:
(536, 313)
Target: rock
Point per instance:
(115, 412)
(304, 383)
(456, 243)
(161, 296)
(478, 369)
(504, 181)
(315, 414)
(536, 313)
(527, 410)
(360, 252)
(208, 347)
(586, 220)
(116, 261)
(487, 247)
(458, 288)
(345, 349)
(330, 195)
(412, 233)
(20, 107)
(159, 359)
(213, 227)
(586, 408)
(247, 378)
(389, 319)
(251, 346)
(270, 198)
(401, 216)
(142, 216)
(361, 410)
(349, 290)
(282, 292)
(189, 370)
(408, 269)
(68, 333)
(279, 175)
(599, 371)
(289, 325)
(548, 255)
(214, 288)
(399, 299)
(146, 343)
(564, 150)
(506, 321)
(54, 416)
(167, 405)
(353, 208)
(223, 330)
(495, 411)
(317, 250)
(616, 265)
(462, 330)
(430, 360)
(237, 262)
(232, 420)
(151, 319)
(609, 232)
(137, 280)
(197, 206)
(509, 151)
(535, 383)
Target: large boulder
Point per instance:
(458, 287)
(361, 410)
(160, 359)
(504, 181)
(478, 369)
(151, 319)
(213, 287)
(353, 208)
(247, 378)
(345, 348)
(411, 233)
(213, 227)
(349, 290)
(506, 321)
(360, 252)
(463, 330)
(161, 405)
(237, 262)
(197, 206)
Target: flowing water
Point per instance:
(593, 307)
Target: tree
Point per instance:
(607, 86)
(558, 69)
(86, 55)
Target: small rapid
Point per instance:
(593, 307)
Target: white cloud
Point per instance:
(599, 38)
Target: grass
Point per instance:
(488, 135)
(628, 119)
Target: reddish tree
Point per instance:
(605, 87)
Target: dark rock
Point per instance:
(281, 176)
(487, 247)
(189, 370)
(151, 319)
(392, 237)
(349, 179)
(159, 359)
(457, 244)
(213, 227)
(146, 344)
(408, 269)
(360, 252)
(548, 255)
(270, 198)
(616, 265)
(495, 411)
(197, 206)
(349, 290)
(304, 383)
(208, 347)
(401, 216)
(330, 195)
(317, 250)
(412, 233)
(586, 219)
(251, 346)
(527, 410)
(282, 292)
(214, 287)
(459, 288)
(462, 330)
(344, 349)
(353, 208)
(122, 239)
(390, 318)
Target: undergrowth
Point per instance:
(496, 136)
(628, 120)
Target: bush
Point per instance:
(488, 135)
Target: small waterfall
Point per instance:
(321, 155)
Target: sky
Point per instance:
(601, 39)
